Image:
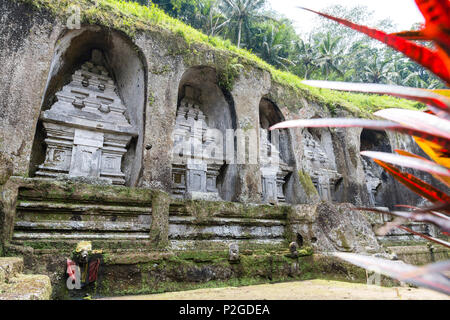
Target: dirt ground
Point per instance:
(300, 290)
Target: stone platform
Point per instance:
(17, 286)
(151, 242)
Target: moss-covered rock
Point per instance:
(27, 287)
(308, 185)
(6, 168)
(156, 272)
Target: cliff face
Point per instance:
(151, 71)
(113, 101)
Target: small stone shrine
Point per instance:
(233, 253)
(274, 170)
(323, 172)
(87, 129)
(372, 182)
(194, 171)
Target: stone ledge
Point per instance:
(122, 258)
(416, 249)
(9, 268)
(420, 254)
(43, 189)
(27, 287)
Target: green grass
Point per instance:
(130, 17)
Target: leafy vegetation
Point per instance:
(131, 17)
(330, 52)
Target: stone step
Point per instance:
(26, 287)
(9, 268)
(399, 235)
(38, 246)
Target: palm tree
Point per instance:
(378, 71)
(329, 58)
(209, 18)
(242, 13)
(272, 50)
(306, 56)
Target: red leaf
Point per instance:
(415, 184)
(411, 35)
(440, 209)
(428, 276)
(336, 122)
(435, 12)
(438, 112)
(439, 241)
(406, 206)
(438, 63)
(437, 21)
(445, 180)
(409, 162)
(442, 222)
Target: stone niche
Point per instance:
(87, 132)
(320, 163)
(204, 114)
(92, 119)
(380, 186)
(276, 158)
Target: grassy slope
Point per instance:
(131, 17)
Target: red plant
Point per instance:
(436, 28)
(430, 130)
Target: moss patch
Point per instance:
(307, 184)
(195, 270)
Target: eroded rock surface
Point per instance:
(334, 227)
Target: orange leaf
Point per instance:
(408, 154)
(442, 92)
(415, 184)
(434, 151)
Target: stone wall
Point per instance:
(151, 71)
(56, 214)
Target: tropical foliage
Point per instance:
(329, 52)
(430, 129)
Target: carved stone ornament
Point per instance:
(194, 171)
(323, 172)
(87, 131)
(233, 253)
(273, 170)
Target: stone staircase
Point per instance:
(17, 286)
(399, 235)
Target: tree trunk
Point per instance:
(239, 34)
